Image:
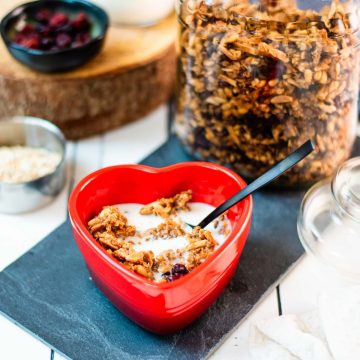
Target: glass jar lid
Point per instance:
(346, 188)
(329, 221)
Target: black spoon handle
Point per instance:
(263, 180)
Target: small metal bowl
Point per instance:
(16, 198)
(49, 61)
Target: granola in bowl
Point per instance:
(154, 240)
(256, 80)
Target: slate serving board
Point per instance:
(49, 293)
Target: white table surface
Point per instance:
(296, 293)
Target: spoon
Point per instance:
(260, 182)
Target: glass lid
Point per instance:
(346, 188)
(329, 221)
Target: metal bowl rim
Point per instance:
(48, 126)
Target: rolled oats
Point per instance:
(256, 81)
(22, 163)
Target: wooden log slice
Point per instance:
(134, 73)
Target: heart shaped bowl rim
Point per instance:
(161, 308)
(78, 224)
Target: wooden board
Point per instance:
(134, 73)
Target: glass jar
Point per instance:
(329, 221)
(256, 79)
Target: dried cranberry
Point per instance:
(81, 39)
(43, 16)
(54, 31)
(57, 20)
(47, 43)
(19, 38)
(81, 22)
(31, 41)
(27, 29)
(43, 30)
(274, 70)
(63, 41)
(67, 28)
(179, 269)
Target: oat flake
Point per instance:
(20, 163)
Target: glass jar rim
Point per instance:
(305, 24)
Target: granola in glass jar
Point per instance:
(256, 80)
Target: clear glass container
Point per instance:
(256, 79)
(329, 221)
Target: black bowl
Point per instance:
(56, 60)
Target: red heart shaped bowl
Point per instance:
(160, 307)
